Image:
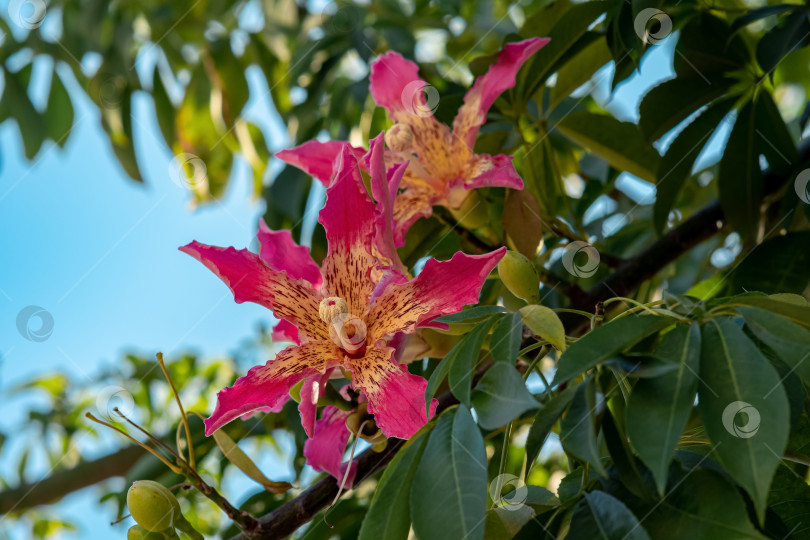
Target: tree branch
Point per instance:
(62, 483)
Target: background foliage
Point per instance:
(622, 433)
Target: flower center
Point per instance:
(347, 331)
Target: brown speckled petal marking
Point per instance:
(348, 218)
(413, 202)
(441, 288)
(266, 386)
(396, 397)
(251, 280)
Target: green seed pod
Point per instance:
(153, 507)
(519, 276)
(471, 212)
(136, 532)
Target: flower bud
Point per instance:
(519, 276)
(399, 138)
(152, 506)
(332, 307)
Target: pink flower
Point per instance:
(443, 165)
(342, 314)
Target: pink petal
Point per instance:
(280, 252)
(413, 203)
(384, 187)
(391, 76)
(317, 158)
(348, 217)
(268, 386)
(487, 88)
(251, 280)
(324, 450)
(441, 288)
(285, 331)
(313, 389)
(492, 171)
(396, 397)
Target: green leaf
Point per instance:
(465, 353)
(792, 33)
(619, 143)
(579, 70)
(472, 314)
(504, 343)
(164, 109)
(676, 165)
(599, 516)
(739, 179)
(500, 396)
(449, 493)
(778, 264)
(787, 339)
(789, 498)
(577, 428)
(545, 323)
(706, 47)
(389, 515)
(564, 34)
(744, 408)
(59, 113)
(606, 341)
(16, 103)
(671, 102)
(701, 505)
(235, 455)
(773, 137)
(545, 419)
(760, 13)
(659, 408)
(797, 313)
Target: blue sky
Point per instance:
(99, 253)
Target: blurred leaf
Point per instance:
(471, 314)
(545, 419)
(777, 265)
(235, 455)
(164, 109)
(59, 113)
(659, 407)
(16, 104)
(760, 13)
(579, 70)
(500, 396)
(598, 515)
(619, 143)
(792, 33)
(522, 221)
(740, 388)
(449, 494)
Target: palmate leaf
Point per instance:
(500, 396)
(659, 407)
(449, 493)
(744, 408)
(788, 340)
(600, 516)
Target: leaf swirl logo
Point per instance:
(802, 186)
(188, 171)
(586, 269)
(644, 21)
(29, 329)
(741, 419)
(419, 98)
(512, 501)
(115, 402)
(27, 13)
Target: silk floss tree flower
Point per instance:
(346, 314)
(443, 166)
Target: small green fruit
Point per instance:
(153, 507)
(136, 532)
(519, 276)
